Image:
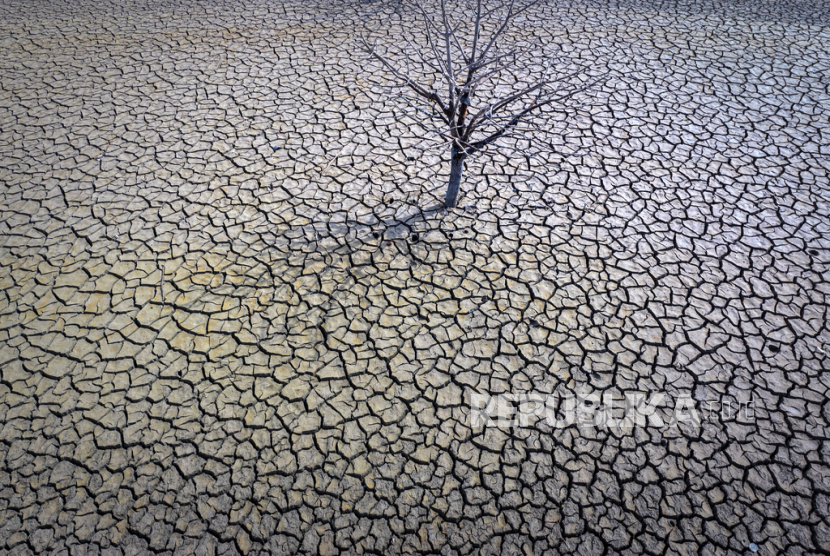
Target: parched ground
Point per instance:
(230, 324)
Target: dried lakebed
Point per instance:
(231, 322)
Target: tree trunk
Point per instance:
(455, 177)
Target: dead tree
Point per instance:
(473, 75)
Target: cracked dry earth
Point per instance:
(229, 324)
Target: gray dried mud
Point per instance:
(230, 321)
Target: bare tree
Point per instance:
(494, 77)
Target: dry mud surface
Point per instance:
(229, 324)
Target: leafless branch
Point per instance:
(472, 47)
